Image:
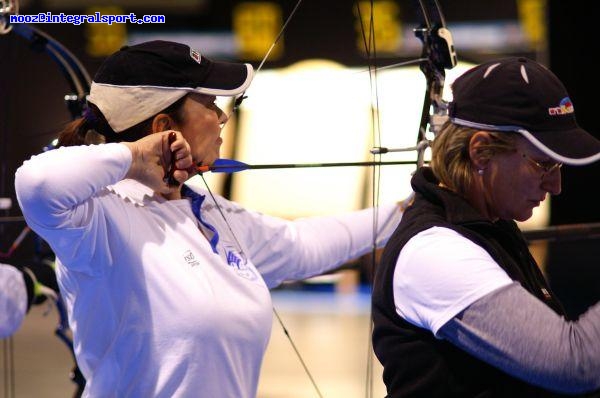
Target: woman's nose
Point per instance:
(552, 182)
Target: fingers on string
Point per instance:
(168, 158)
(176, 158)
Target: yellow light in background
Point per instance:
(256, 26)
(104, 39)
(532, 16)
(387, 25)
(313, 111)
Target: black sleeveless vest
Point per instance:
(416, 364)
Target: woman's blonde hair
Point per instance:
(450, 159)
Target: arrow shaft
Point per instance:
(243, 166)
(303, 165)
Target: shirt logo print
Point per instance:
(233, 260)
(190, 259)
(238, 263)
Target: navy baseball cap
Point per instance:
(520, 95)
(138, 82)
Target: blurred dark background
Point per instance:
(557, 33)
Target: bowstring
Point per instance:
(370, 46)
(241, 250)
(239, 98)
(218, 206)
(369, 42)
(285, 330)
(237, 102)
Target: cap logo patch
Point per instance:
(195, 54)
(565, 107)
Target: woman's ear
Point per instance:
(479, 149)
(162, 122)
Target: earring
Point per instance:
(480, 171)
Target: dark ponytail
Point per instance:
(73, 133)
(86, 130)
(93, 128)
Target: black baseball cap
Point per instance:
(139, 81)
(520, 95)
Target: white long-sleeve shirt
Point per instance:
(157, 310)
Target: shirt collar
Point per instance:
(140, 194)
(134, 192)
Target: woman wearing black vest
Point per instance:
(460, 306)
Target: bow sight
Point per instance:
(438, 54)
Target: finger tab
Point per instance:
(169, 174)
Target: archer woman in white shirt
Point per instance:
(167, 287)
